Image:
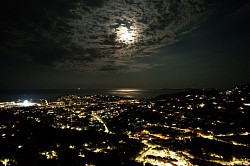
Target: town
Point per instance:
(196, 127)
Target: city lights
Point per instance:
(156, 131)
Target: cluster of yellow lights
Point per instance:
(5, 161)
(49, 154)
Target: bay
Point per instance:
(50, 94)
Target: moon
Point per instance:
(125, 35)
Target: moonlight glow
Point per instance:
(126, 35)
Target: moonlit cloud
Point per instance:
(119, 43)
(133, 29)
(91, 35)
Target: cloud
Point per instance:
(105, 65)
(90, 35)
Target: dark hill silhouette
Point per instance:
(188, 92)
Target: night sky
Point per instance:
(124, 43)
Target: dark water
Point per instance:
(13, 95)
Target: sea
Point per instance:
(50, 94)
